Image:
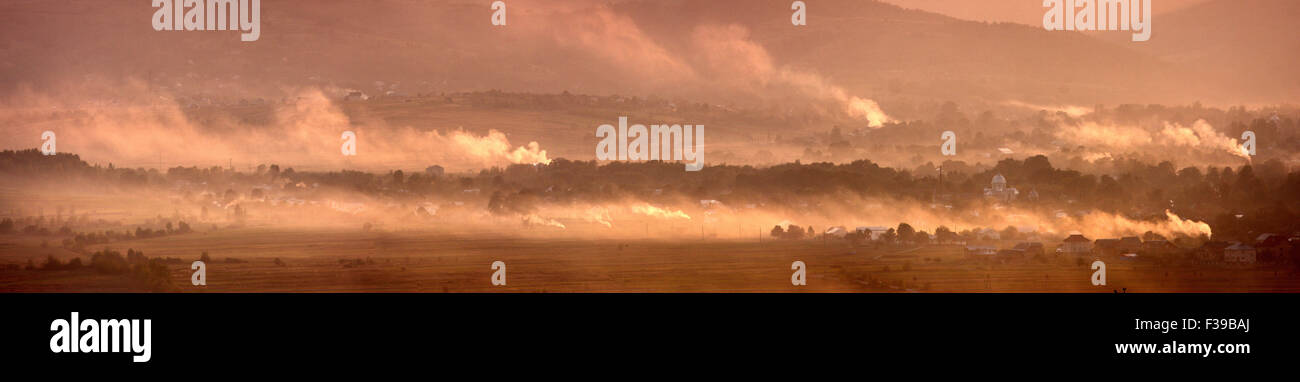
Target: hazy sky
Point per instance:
(1019, 11)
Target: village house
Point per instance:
(837, 231)
(435, 171)
(1239, 253)
(1129, 244)
(979, 250)
(1116, 247)
(1158, 248)
(988, 234)
(355, 95)
(1076, 245)
(1106, 247)
(1271, 248)
(1027, 248)
(874, 232)
(1211, 251)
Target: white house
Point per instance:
(981, 250)
(874, 231)
(837, 231)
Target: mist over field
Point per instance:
(827, 134)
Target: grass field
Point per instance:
(355, 261)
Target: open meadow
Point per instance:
(245, 260)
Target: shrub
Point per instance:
(155, 274)
(108, 261)
(134, 257)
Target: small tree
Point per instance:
(778, 232)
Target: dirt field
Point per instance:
(353, 261)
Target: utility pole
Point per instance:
(934, 198)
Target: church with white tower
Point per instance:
(999, 190)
